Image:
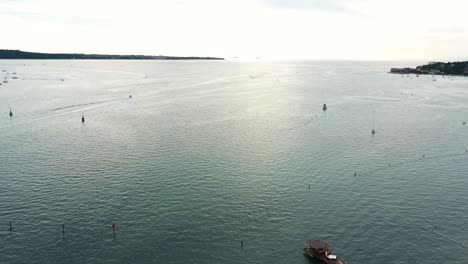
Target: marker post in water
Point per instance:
(11, 229)
(113, 229)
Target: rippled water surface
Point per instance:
(210, 153)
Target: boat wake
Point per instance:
(85, 104)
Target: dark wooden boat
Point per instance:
(318, 249)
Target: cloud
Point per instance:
(32, 16)
(46, 11)
(450, 30)
(332, 6)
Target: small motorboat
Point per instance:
(318, 249)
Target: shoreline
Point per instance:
(23, 55)
(436, 68)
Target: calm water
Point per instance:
(207, 154)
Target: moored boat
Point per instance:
(318, 249)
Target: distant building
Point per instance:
(402, 70)
(433, 71)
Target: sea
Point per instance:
(231, 162)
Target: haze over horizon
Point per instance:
(270, 29)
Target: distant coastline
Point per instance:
(436, 68)
(24, 55)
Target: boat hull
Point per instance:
(323, 258)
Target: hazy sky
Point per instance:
(275, 29)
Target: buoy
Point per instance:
(324, 107)
(82, 118)
(373, 132)
(130, 96)
(242, 243)
(11, 113)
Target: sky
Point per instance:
(422, 30)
